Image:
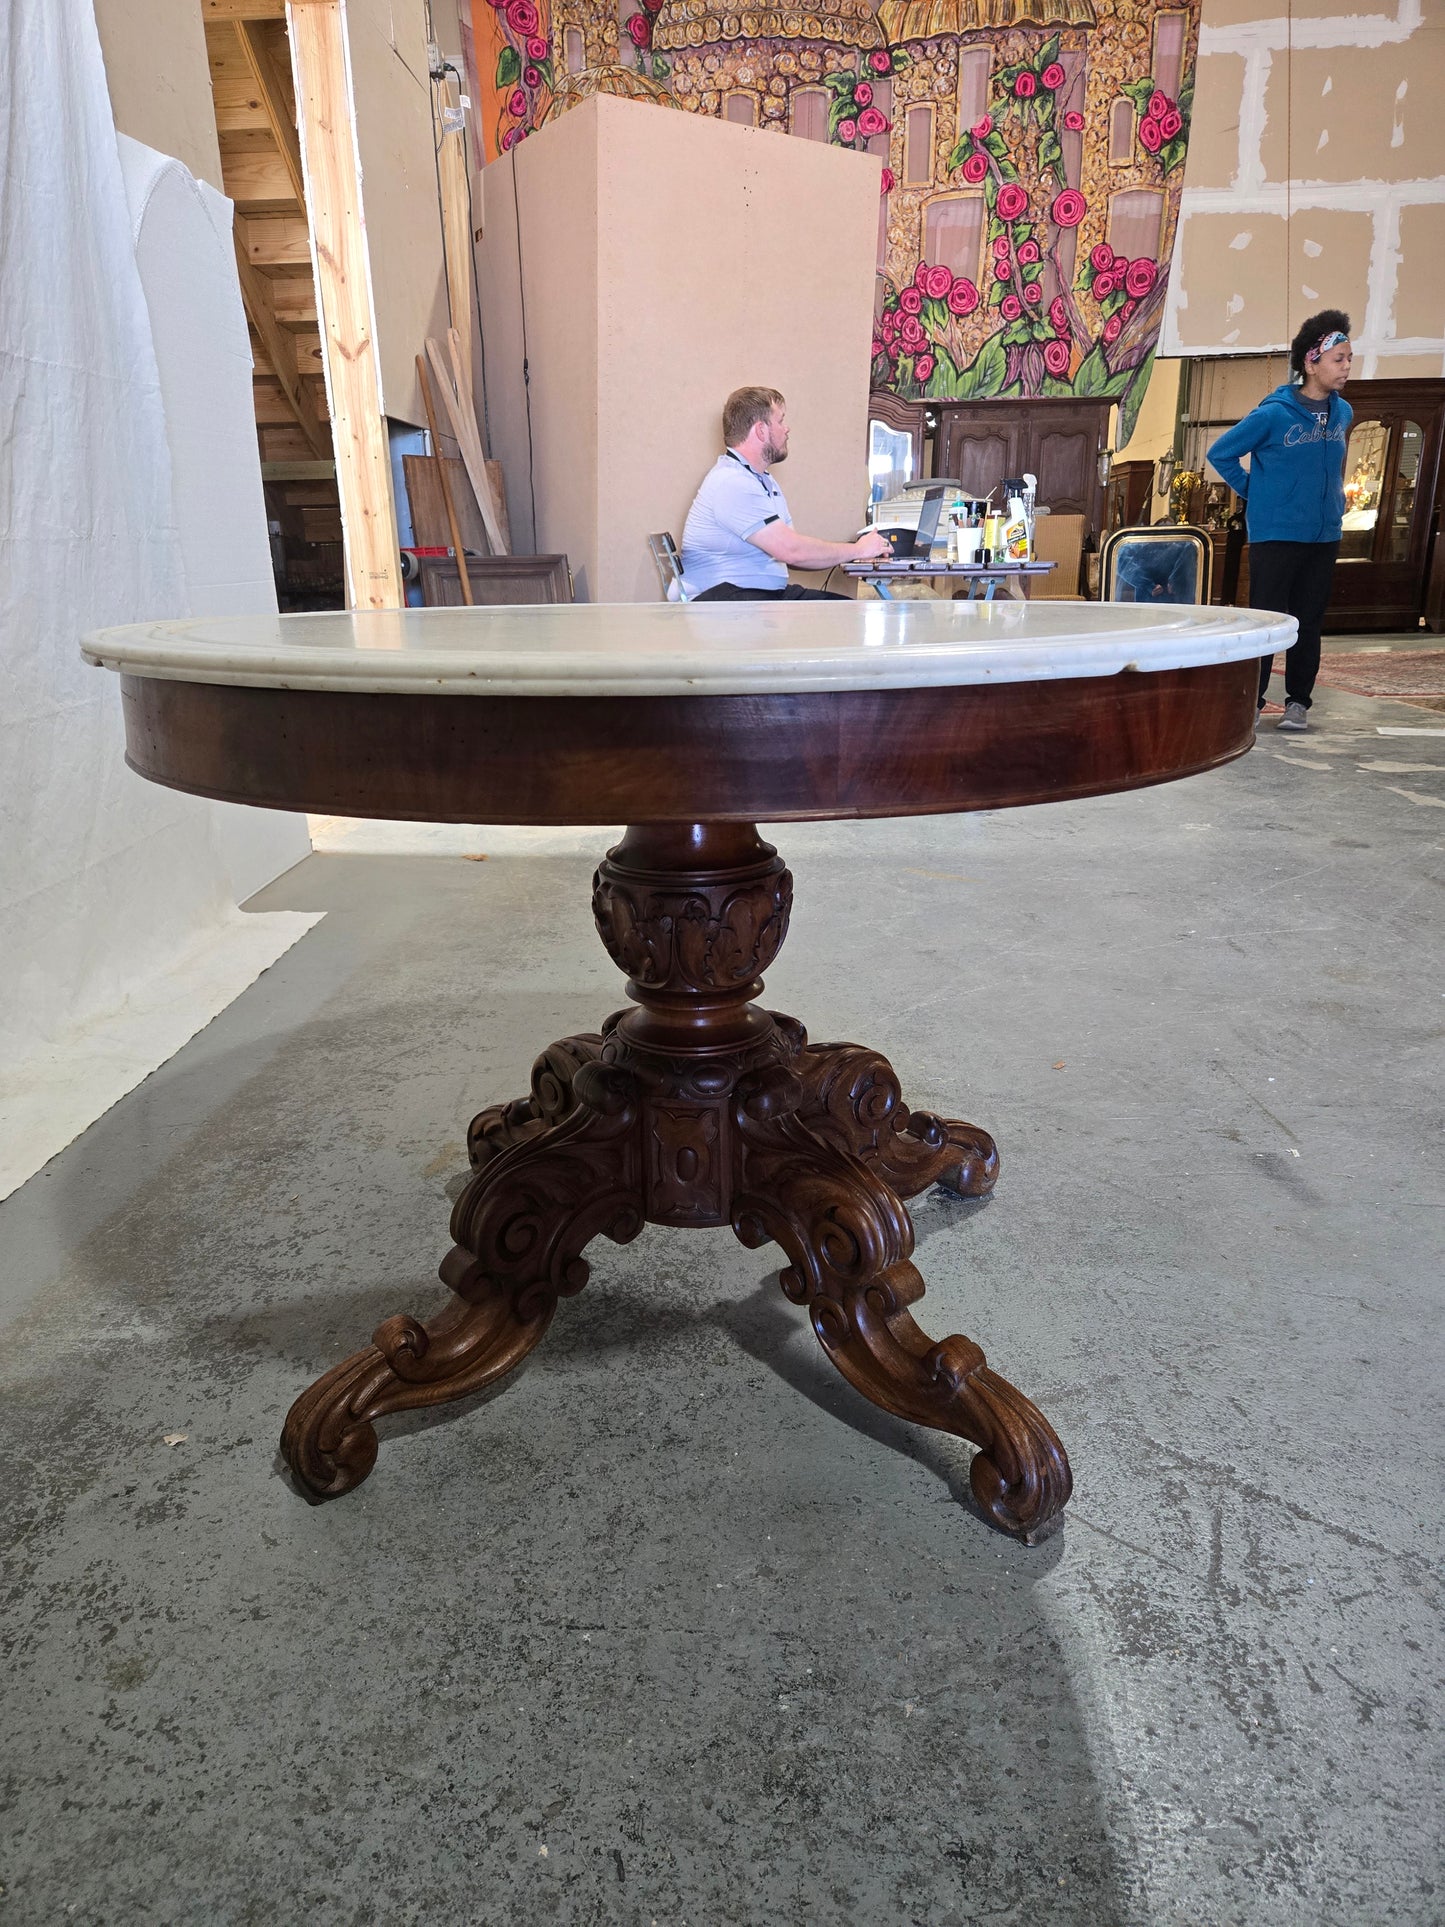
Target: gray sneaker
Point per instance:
(1295, 717)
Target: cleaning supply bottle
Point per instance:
(1016, 523)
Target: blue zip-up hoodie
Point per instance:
(1294, 487)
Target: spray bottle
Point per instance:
(1016, 523)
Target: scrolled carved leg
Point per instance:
(1020, 1474)
(520, 1228)
(850, 1242)
(500, 1126)
(853, 1098)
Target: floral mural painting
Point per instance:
(1033, 156)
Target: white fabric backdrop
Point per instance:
(107, 883)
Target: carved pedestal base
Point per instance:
(699, 1108)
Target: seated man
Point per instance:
(739, 541)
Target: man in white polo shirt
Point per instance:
(739, 541)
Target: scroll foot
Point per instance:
(520, 1228)
(852, 1096)
(850, 1242)
(1020, 1474)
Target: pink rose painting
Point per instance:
(1140, 277)
(1013, 91)
(1012, 202)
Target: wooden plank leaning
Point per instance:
(457, 400)
(446, 487)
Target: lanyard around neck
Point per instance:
(770, 487)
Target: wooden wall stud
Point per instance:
(343, 287)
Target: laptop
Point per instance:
(919, 541)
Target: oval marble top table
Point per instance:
(696, 1106)
(670, 712)
(688, 649)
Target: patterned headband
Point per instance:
(1324, 343)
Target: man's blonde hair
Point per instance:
(744, 408)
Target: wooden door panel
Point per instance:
(1066, 461)
(980, 460)
(983, 443)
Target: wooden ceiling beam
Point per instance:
(298, 471)
(279, 353)
(275, 240)
(254, 174)
(273, 85)
(215, 10)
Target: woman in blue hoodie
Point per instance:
(1294, 495)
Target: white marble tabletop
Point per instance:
(680, 649)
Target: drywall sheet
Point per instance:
(1316, 178)
(604, 268)
(106, 882)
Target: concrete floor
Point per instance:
(674, 1627)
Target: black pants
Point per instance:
(1294, 577)
(730, 592)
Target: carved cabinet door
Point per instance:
(983, 443)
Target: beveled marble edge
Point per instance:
(724, 648)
